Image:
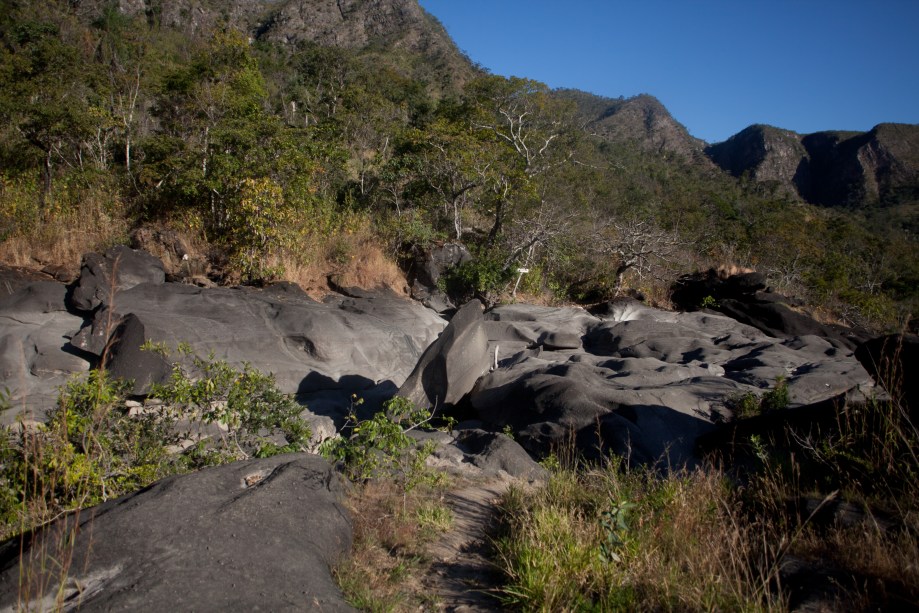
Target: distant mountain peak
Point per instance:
(834, 168)
(641, 119)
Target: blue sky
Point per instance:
(717, 65)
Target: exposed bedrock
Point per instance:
(254, 535)
(640, 382)
(632, 380)
(366, 344)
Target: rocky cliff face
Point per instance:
(641, 119)
(829, 168)
(765, 154)
(350, 24)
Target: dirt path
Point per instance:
(462, 578)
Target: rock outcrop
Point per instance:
(449, 368)
(350, 24)
(640, 382)
(766, 154)
(831, 168)
(323, 352)
(745, 298)
(36, 356)
(254, 535)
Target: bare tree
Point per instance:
(635, 244)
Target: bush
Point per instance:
(254, 417)
(483, 278)
(94, 447)
(380, 446)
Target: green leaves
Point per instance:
(379, 446)
(254, 417)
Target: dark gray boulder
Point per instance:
(745, 298)
(495, 453)
(451, 365)
(254, 535)
(892, 361)
(119, 268)
(474, 453)
(644, 384)
(426, 270)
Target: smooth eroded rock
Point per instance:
(253, 535)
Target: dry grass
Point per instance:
(391, 534)
(79, 221)
(348, 260)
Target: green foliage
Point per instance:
(94, 447)
(481, 277)
(750, 405)
(253, 416)
(266, 146)
(777, 398)
(708, 302)
(379, 447)
(615, 527)
(606, 539)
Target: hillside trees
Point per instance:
(220, 154)
(45, 100)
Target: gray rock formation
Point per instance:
(322, 352)
(35, 352)
(642, 383)
(474, 453)
(427, 270)
(345, 344)
(765, 153)
(351, 24)
(254, 535)
(450, 367)
(830, 168)
(120, 268)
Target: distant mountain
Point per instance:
(640, 120)
(879, 167)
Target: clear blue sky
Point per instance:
(717, 65)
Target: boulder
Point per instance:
(254, 535)
(887, 359)
(426, 270)
(690, 291)
(450, 367)
(744, 297)
(643, 383)
(120, 268)
(495, 453)
(35, 353)
(475, 453)
(323, 352)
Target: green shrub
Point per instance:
(482, 277)
(256, 418)
(750, 405)
(94, 447)
(379, 446)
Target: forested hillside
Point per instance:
(316, 141)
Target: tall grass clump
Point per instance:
(397, 506)
(83, 216)
(609, 539)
